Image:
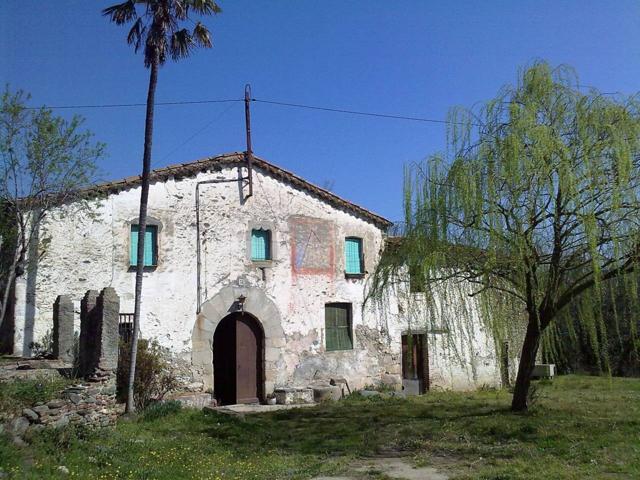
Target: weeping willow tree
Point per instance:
(536, 202)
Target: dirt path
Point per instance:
(390, 467)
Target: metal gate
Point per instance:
(125, 327)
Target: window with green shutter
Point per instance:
(260, 245)
(150, 246)
(337, 322)
(353, 256)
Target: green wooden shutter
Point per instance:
(133, 252)
(150, 245)
(353, 256)
(150, 237)
(260, 245)
(338, 327)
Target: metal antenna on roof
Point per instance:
(249, 152)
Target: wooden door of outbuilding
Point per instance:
(415, 359)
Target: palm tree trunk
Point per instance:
(525, 368)
(142, 224)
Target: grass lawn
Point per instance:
(580, 427)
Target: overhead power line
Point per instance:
(258, 100)
(351, 112)
(120, 105)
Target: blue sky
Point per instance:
(416, 58)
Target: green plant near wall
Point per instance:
(154, 377)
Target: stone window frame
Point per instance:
(153, 222)
(267, 226)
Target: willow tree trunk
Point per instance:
(530, 346)
(18, 255)
(11, 276)
(142, 224)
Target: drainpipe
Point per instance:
(198, 253)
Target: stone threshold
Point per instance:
(247, 409)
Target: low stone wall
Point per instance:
(92, 404)
(83, 404)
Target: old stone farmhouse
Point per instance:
(255, 280)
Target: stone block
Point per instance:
(326, 393)
(192, 400)
(271, 354)
(41, 410)
(88, 332)
(99, 336)
(63, 312)
(56, 403)
(292, 395)
(18, 426)
(278, 342)
(30, 415)
(411, 386)
(109, 310)
(74, 397)
(61, 422)
(544, 370)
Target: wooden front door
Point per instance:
(415, 359)
(237, 360)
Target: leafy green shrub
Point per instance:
(43, 348)
(17, 394)
(161, 409)
(154, 377)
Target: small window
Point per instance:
(337, 322)
(260, 245)
(150, 246)
(353, 256)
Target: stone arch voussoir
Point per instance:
(222, 304)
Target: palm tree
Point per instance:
(156, 27)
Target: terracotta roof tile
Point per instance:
(191, 169)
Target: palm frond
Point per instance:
(136, 34)
(181, 44)
(122, 12)
(181, 9)
(203, 7)
(202, 36)
(157, 26)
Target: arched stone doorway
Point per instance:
(238, 360)
(258, 306)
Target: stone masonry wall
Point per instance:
(82, 404)
(306, 272)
